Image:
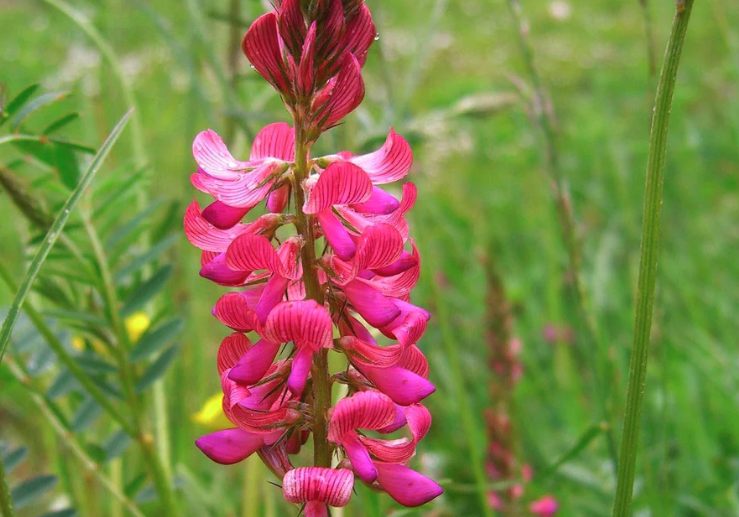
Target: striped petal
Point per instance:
(216, 270)
(388, 164)
(304, 322)
(330, 486)
(364, 410)
(254, 363)
(214, 158)
(261, 46)
(232, 350)
(274, 141)
(342, 183)
(247, 190)
(233, 310)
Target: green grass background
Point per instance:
(483, 193)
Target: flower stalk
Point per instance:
(6, 502)
(650, 243)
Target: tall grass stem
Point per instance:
(650, 242)
(6, 502)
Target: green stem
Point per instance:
(6, 502)
(648, 262)
(544, 118)
(157, 469)
(67, 360)
(320, 373)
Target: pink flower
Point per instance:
(545, 507)
(383, 460)
(318, 488)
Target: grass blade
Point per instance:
(54, 232)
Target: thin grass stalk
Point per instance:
(53, 234)
(649, 38)
(71, 440)
(470, 428)
(650, 241)
(233, 55)
(44, 139)
(544, 118)
(162, 479)
(6, 501)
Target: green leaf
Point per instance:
(157, 369)
(96, 452)
(142, 260)
(79, 316)
(128, 228)
(28, 491)
(133, 486)
(66, 165)
(87, 413)
(14, 458)
(116, 445)
(155, 340)
(147, 290)
(37, 103)
(62, 385)
(60, 123)
(110, 389)
(93, 364)
(18, 101)
(54, 232)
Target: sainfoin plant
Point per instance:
(330, 261)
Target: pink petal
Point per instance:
(410, 330)
(231, 351)
(400, 451)
(342, 183)
(330, 486)
(229, 446)
(261, 46)
(273, 293)
(300, 371)
(233, 311)
(306, 77)
(406, 486)
(218, 271)
(363, 410)
(370, 354)
(249, 189)
(278, 199)
(359, 457)
(389, 163)
(274, 141)
(379, 203)
(360, 34)
(414, 360)
(404, 263)
(291, 26)
(402, 386)
(370, 304)
(276, 459)
(204, 235)
(399, 422)
(355, 328)
(252, 365)
(342, 94)
(233, 393)
(545, 507)
(336, 235)
(315, 509)
(378, 246)
(305, 322)
(263, 421)
(214, 158)
(252, 253)
(328, 45)
(289, 253)
(223, 216)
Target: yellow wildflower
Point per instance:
(211, 414)
(136, 325)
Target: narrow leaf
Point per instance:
(62, 385)
(146, 291)
(132, 225)
(37, 103)
(157, 369)
(87, 413)
(66, 165)
(93, 364)
(116, 445)
(60, 123)
(28, 491)
(54, 232)
(69, 512)
(154, 341)
(17, 102)
(142, 260)
(14, 458)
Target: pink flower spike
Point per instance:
(545, 507)
(342, 183)
(332, 487)
(230, 445)
(304, 322)
(388, 164)
(223, 216)
(406, 486)
(252, 366)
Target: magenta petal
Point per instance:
(404, 263)
(300, 370)
(223, 216)
(218, 271)
(302, 321)
(277, 200)
(336, 235)
(389, 163)
(370, 304)
(229, 446)
(359, 457)
(261, 45)
(254, 364)
(232, 349)
(273, 294)
(402, 386)
(331, 486)
(360, 34)
(274, 141)
(214, 158)
(315, 509)
(342, 183)
(379, 203)
(251, 253)
(405, 485)
(364, 410)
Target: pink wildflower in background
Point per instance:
(347, 264)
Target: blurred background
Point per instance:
(519, 173)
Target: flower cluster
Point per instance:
(316, 279)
